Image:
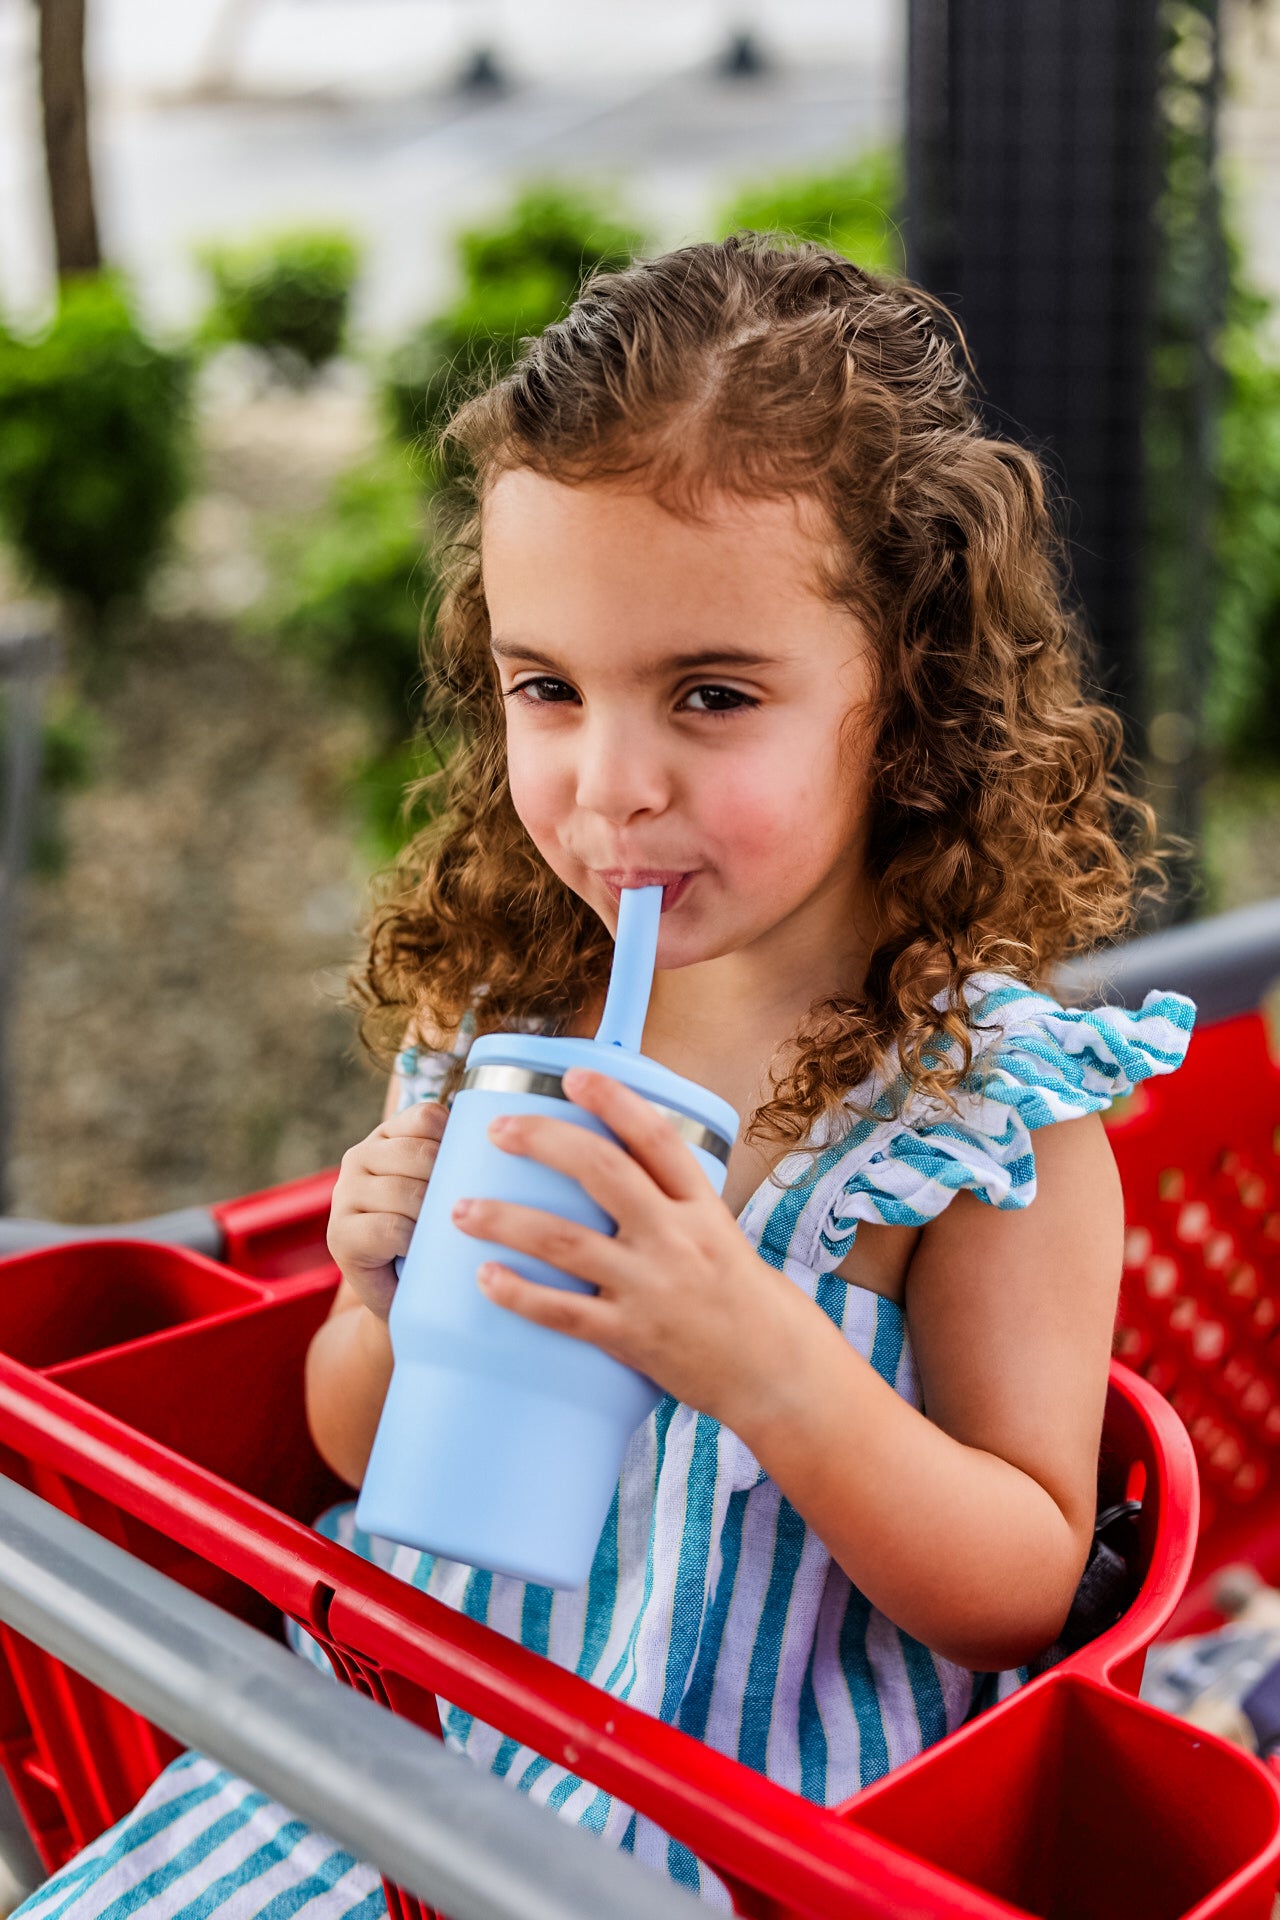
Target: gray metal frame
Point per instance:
(1227, 964)
(193, 1227)
(429, 1819)
(29, 657)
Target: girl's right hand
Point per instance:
(378, 1197)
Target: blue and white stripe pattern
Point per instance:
(202, 1841)
(711, 1604)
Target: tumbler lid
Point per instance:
(554, 1054)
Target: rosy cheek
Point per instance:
(540, 792)
(757, 806)
(775, 816)
(759, 835)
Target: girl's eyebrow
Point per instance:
(684, 662)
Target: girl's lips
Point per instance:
(674, 886)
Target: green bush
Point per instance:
(1244, 697)
(550, 230)
(1212, 614)
(75, 740)
(379, 787)
(356, 587)
(287, 292)
(520, 273)
(850, 207)
(95, 445)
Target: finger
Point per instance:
(585, 1316)
(395, 1182)
(370, 1240)
(388, 1193)
(647, 1134)
(565, 1244)
(425, 1120)
(604, 1169)
(412, 1159)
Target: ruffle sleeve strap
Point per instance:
(420, 1071)
(1034, 1062)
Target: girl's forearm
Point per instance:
(347, 1375)
(985, 1573)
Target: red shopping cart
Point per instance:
(119, 1359)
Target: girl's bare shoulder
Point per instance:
(1058, 1253)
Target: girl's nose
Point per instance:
(619, 774)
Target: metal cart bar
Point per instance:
(193, 1227)
(427, 1818)
(1226, 964)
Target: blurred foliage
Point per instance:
(356, 584)
(550, 230)
(74, 743)
(851, 208)
(379, 789)
(1182, 403)
(95, 445)
(289, 293)
(1213, 443)
(519, 273)
(1244, 704)
(352, 588)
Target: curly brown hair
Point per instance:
(1000, 838)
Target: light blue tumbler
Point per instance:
(500, 1442)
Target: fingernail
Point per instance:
(575, 1079)
(501, 1125)
(461, 1208)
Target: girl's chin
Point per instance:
(694, 940)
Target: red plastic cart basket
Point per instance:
(156, 1395)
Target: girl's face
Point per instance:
(681, 708)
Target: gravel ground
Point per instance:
(178, 1037)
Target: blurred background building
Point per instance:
(220, 116)
(316, 217)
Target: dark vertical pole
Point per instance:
(64, 100)
(932, 222)
(1032, 172)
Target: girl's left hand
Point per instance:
(682, 1294)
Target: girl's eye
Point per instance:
(549, 691)
(720, 700)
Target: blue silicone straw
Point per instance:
(635, 949)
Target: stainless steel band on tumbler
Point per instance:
(499, 1079)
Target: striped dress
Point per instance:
(710, 1603)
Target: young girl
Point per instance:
(744, 602)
